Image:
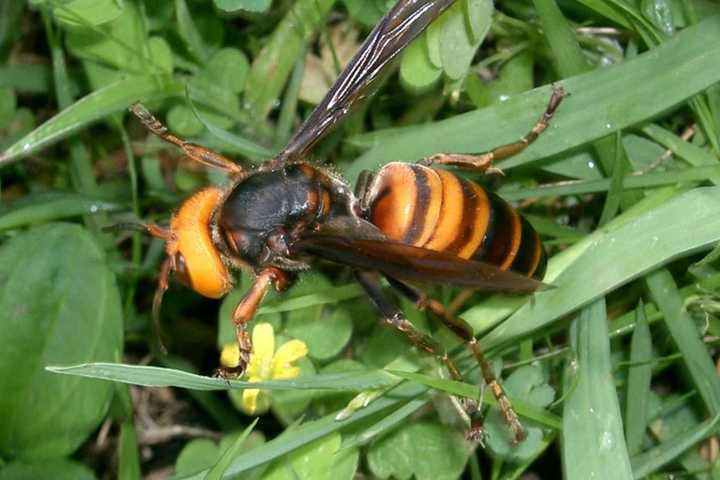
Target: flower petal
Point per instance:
(230, 355)
(286, 373)
(249, 400)
(263, 338)
(255, 401)
(288, 353)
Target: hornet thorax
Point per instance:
(267, 211)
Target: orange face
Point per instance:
(197, 260)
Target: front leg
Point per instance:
(245, 311)
(195, 152)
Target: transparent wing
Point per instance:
(414, 264)
(405, 21)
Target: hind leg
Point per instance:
(483, 162)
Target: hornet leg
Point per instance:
(194, 152)
(393, 317)
(245, 311)
(464, 331)
(483, 162)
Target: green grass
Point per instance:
(613, 371)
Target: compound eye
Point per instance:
(181, 271)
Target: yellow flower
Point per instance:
(265, 364)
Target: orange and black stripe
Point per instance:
(440, 211)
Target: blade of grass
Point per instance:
(485, 315)
(568, 55)
(571, 61)
(217, 471)
(592, 434)
(313, 430)
(221, 412)
(290, 103)
(273, 64)
(48, 207)
(167, 377)
(692, 154)
(651, 460)
(385, 423)
(638, 383)
(189, 32)
(26, 77)
(686, 336)
(128, 456)
(232, 142)
(588, 275)
(327, 295)
(620, 165)
(111, 99)
(471, 391)
(601, 103)
(648, 180)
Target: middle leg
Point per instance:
(393, 317)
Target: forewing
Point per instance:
(405, 21)
(414, 264)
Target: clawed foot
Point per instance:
(476, 433)
(229, 373)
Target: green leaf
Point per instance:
(120, 43)
(79, 13)
(197, 455)
(366, 12)
(56, 469)
(189, 32)
(228, 68)
(416, 70)
(529, 384)
(588, 275)
(324, 330)
(322, 460)
(601, 103)
(593, 441)
(166, 377)
(161, 54)
(58, 304)
(458, 43)
(246, 5)
(94, 106)
(428, 451)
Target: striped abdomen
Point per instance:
(437, 210)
